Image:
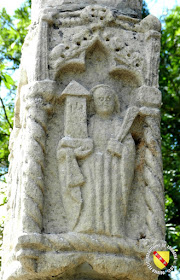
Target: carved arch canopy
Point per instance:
(124, 41)
(121, 61)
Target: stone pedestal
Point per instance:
(85, 179)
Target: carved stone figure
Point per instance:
(85, 180)
(107, 170)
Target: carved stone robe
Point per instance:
(103, 198)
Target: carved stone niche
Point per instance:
(85, 179)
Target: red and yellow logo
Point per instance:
(161, 258)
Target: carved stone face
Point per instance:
(104, 100)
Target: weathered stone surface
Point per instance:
(85, 180)
(129, 7)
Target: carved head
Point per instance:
(105, 100)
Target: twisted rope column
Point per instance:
(37, 107)
(33, 167)
(153, 175)
(40, 95)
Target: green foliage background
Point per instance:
(13, 30)
(12, 33)
(169, 82)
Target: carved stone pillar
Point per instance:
(85, 179)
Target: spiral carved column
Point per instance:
(154, 179)
(33, 167)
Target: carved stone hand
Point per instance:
(84, 150)
(115, 147)
(82, 147)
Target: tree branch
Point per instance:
(2, 174)
(1, 162)
(6, 117)
(5, 134)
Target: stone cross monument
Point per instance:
(85, 178)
